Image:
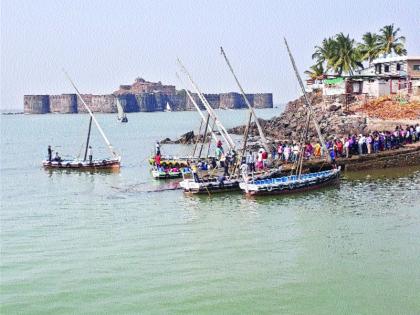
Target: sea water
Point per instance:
(123, 243)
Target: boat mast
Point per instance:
(204, 135)
(210, 110)
(197, 107)
(307, 102)
(88, 138)
(111, 149)
(251, 109)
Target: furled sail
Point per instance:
(110, 147)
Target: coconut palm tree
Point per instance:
(369, 48)
(325, 52)
(389, 41)
(347, 56)
(316, 71)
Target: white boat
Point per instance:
(168, 107)
(121, 114)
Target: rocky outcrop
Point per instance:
(289, 125)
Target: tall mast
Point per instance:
(251, 109)
(307, 102)
(111, 149)
(210, 110)
(197, 107)
(88, 138)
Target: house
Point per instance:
(385, 76)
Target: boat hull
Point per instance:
(293, 186)
(191, 187)
(166, 175)
(81, 165)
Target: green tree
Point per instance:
(389, 41)
(316, 71)
(347, 57)
(325, 52)
(369, 49)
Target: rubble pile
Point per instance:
(388, 107)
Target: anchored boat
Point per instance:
(122, 116)
(87, 163)
(291, 184)
(298, 182)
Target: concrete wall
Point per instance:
(36, 104)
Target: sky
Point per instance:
(103, 44)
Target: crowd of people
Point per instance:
(351, 145)
(289, 152)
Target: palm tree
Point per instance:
(347, 56)
(389, 41)
(325, 52)
(317, 71)
(369, 49)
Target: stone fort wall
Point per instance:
(141, 96)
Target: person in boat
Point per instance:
(157, 148)
(90, 154)
(264, 158)
(219, 150)
(226, 166)
(244, 169)
(57, 157)
(221, 180)
(157, 160)
(332, 156)
(50, 151)
(250, 161)
(213, 163)
(194, 172)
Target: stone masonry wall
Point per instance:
(64, 103)
(36, 104)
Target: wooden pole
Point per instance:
(251, 109)
(307, 102)
(88, 139)
(204, 136)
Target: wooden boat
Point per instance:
(205, 184)
(171, 161)
(84, 164)
(122, 116)
(298, 182)
(291, 184)
(161, 173)
(209, 185)
(80, 164)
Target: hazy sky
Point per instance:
(103, 44)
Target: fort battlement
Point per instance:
(141, 96)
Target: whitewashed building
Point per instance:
(385, 76)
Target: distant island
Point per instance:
(141, 96)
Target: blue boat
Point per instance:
(291, 184)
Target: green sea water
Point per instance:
(123, 243)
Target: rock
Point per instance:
(333, 107)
